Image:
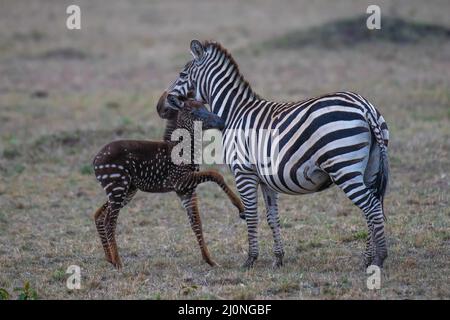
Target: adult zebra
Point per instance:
(338, 138)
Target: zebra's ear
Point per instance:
(174, 102)
(197, 49)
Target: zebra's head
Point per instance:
(187, 80)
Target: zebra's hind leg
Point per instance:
(99, 218)
(273, 219)
(369, 253)
(363, 197)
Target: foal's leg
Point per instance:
(99, 218)
(189, 202)
(122, 196)
(273, 219)
(110, 222)
(213, 176)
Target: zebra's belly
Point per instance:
(308, 179)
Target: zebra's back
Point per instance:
(313, 142)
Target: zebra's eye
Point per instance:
(183, 74)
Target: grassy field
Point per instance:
(66, 93)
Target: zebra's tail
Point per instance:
(380, 132)
(382, 178)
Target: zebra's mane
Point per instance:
(216, 45)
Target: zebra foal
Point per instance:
(125, 166)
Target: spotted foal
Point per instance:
(125, 166)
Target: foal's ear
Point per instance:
(197, 49)
(174, 102)
(190, 95)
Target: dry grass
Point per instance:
(64, 94)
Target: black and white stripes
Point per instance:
(339, 138)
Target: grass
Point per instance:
(103, 84)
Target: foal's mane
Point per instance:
(171, 125)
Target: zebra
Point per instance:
(335, 139)
(123, 167)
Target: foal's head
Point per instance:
(189, 110)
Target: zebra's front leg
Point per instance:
(273, 219)
(247, 186)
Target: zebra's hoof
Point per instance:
(378, 261)
(242, 215)
(278, 262)
(367, 262)
(248, 264)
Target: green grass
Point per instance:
(86, 169)
(26, 292)
(59, 275)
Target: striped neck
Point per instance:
(225, 87)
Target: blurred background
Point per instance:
(65, 93)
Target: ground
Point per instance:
(66, 93)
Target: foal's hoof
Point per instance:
(109, 259)
(212, 263)
(117, 265)
(242, 215)
(248, 264)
